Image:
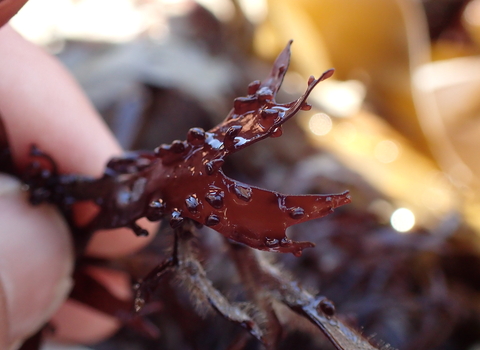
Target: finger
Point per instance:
(42, 104)
(89, 325)
(36, 262)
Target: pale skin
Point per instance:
(41, 103)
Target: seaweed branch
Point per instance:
(266, 285)
(184, 183)
(184, 179)
(190, 272)
(318, 309)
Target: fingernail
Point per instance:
(36, 261)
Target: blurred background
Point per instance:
(398, 125)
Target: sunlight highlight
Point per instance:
(320, 124)
(386, 151)
(402, 220)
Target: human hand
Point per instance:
(8, 8)
(40, 103)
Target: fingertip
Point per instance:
(36, 261)
(78, 323)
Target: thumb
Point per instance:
(36, 261)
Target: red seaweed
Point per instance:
(184, 180)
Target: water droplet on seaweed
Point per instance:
(327, 307)
(296, 213)
(192, 203)
(215, 198)
(177, 146)
(156, 210)
(212, 220)
(176, 219)
(243, 192)
(196, 136)
(271, 242)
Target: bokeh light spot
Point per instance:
(402, 220)
(320, 124)
(386, 151)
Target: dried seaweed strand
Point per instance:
(190, 272)
(318, 309)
